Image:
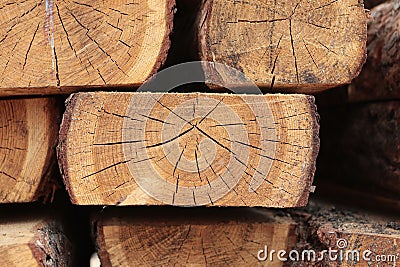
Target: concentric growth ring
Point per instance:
(197, 146)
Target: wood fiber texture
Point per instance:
(28, 137)
(189, 149)
(296, 46)
(55, 47)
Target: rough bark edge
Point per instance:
(166, 43)
(319, 218)
(381, 28)
(100, 243)
(310, 172)
(62, 147)
(44, 245)
(203, 23)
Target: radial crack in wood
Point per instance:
(189, 149)
(28, 137)
(53, 47)
(301, 46)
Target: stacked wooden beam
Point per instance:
(61, 47)
(315, 236)
(27, 144)
(237, 154)
(362, 133)
(219, 149)
(32, 237)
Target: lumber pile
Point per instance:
(217, 134)
(184, 238)
(304, 46)
(247, 237)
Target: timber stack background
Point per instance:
(88, 165)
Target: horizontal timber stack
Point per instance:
(173, 237)
(216, 149)
(203, 173)
(246, 237)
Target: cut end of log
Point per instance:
(56, 47)
(210, 240)
(319, 235)
(302, 46)
(28, 136)
(189, 149)
(33, 241)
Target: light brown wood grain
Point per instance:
(28, 136)
(296, 46)
(201, 238)
(154, 236)
(55, 47)
(33, 241)
(189, 149)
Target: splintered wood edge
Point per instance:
(153, 219)
(203, 23)
(345, 230)
(71, 106)
(41, 238)
(63, 144)
(66, 90)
